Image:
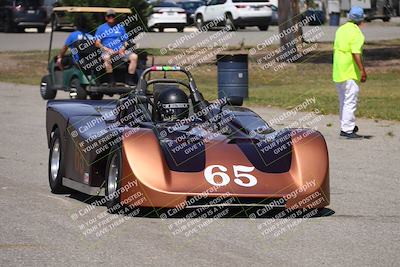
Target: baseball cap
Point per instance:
(110, 12)
(356, 14)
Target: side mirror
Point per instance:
(234, 100)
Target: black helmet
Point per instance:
(172, 104)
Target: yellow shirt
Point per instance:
(348, 40)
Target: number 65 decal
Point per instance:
(243, 178)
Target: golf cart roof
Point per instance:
(86, 9)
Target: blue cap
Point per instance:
(356, 14)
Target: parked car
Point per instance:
(17, 15)
(167, 15)
(190, 7)
(236, 13)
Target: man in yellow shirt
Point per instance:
(348, 69)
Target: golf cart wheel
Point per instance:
(229, 23)
(199, 22)
(41, 29)
(180, 29)
(56, 164)
(113, 180)
(96, 96)
(77, 91)
(263, 28)
(45, 88)
(161, 29)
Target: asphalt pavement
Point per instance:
(38, 228)
(248, 37)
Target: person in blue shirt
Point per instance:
(112, 39)
(72, 41)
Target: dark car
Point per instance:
(15, 16)
(190, 7)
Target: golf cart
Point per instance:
(86, 77)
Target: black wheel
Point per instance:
(387, 19)
(77, 90)
(161, 29)
(199, 22)
(46, 90)
(96, 96)
(263, 28)
(56, 164)
(180, 29)
(229, 23)
(9, 25)
(41, 29)
(113, 180)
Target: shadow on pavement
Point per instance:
(213, 212)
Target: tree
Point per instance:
(289, 16)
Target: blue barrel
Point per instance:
(334, 19)
(233, 78)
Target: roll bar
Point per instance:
(197, 97)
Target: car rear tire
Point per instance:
(263, 28)
(78, 89)
(56, 164)
(41, 29)
(199, 22)
(113, 180)
(180, 29)
(97, 96)
(46, 90)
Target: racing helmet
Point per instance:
(172, 104)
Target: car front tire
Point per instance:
(56, 164)
(199, 22)
(41, 29)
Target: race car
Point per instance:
(163, 145)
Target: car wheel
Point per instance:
(199, 22)
(161, 29)
(77, 90)
(180, 29)
(56, 164)
(113, 180)
(41, 29)
(96, 96)
(387, 19)
(46, 90)
(9, 26)
(229, 23)
(263, 28)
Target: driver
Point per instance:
(112, 39)
(172, 104)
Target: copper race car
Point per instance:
(162, 146)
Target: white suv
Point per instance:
(235, 13)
